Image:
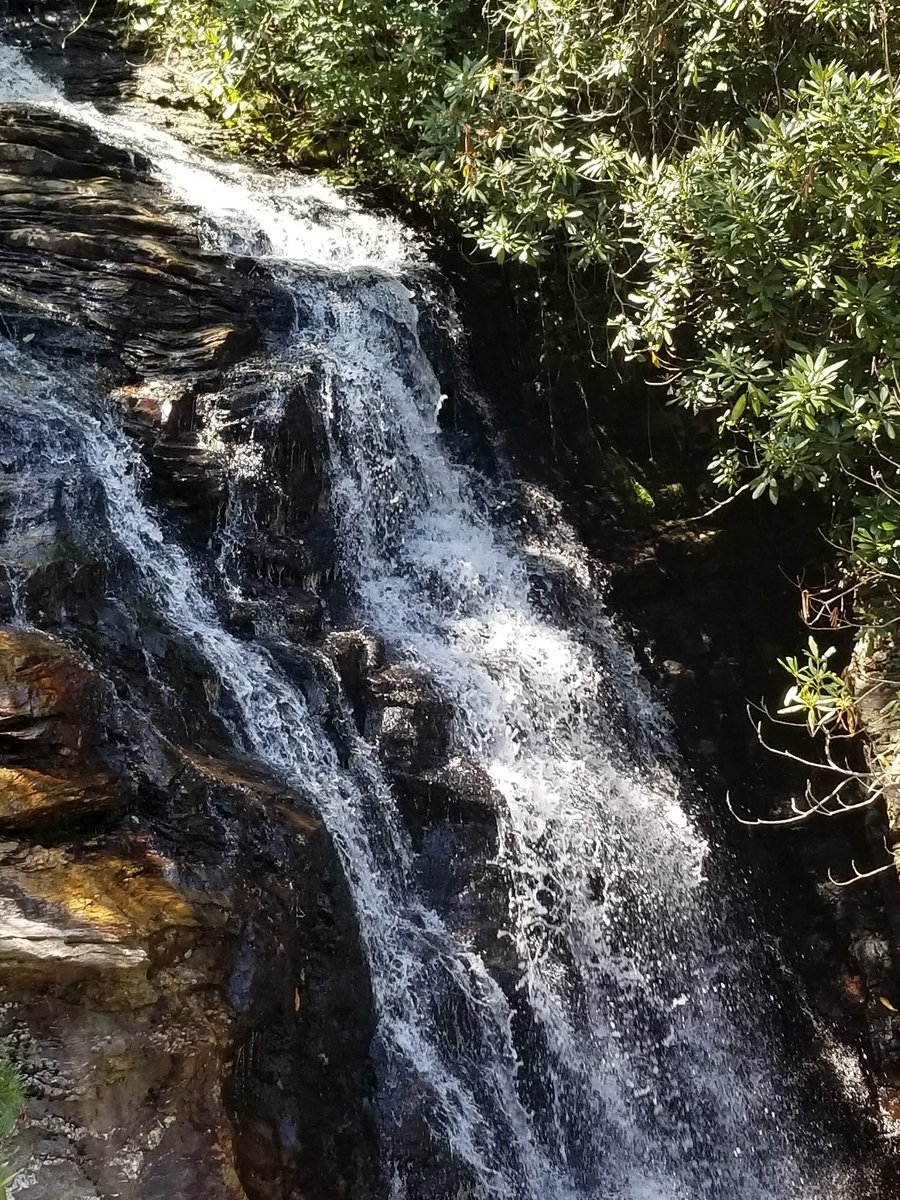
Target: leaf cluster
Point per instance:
(820, 696)
(11, 1102)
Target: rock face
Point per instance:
(50, 711)
(872, 675)
(183, 985)
(695, 595)
(78, 243)
(82, 53)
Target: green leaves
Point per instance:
(11, 1098)
(818, 695)
(348, 77)
(806, 393)
(11, 1102)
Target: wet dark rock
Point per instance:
(411, 720)
(356, 654)
(711, 610)
(404, 713)
(450, 807)
(279, 537)
(79, 245)
(184, 988)
(83, 53)
(456, 792)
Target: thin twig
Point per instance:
(81, 24)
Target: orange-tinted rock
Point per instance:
(111, 966)
(152, 971)
(51, 737)
(32, 798)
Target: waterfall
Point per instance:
(629, 1059)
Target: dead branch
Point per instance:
(828, 765)
(858, 875)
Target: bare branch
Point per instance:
(828, 765)
(722, 504)
(858, 875)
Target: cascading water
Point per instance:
(625, 1058)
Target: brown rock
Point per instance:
(77, 242)
(51, 737)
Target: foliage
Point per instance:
(11, 1101)
(338, 79)
(818, 694)
(777, 277)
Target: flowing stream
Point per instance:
(630, 1058)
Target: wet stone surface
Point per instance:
(183, 986)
